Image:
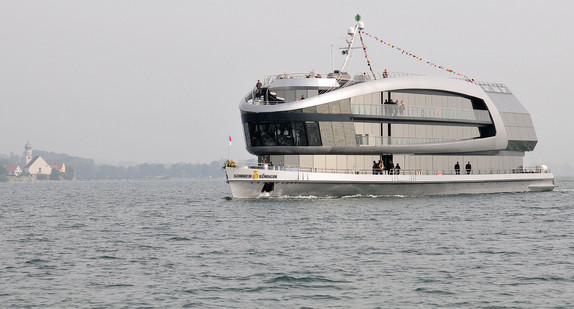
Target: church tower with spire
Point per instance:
(28, 152)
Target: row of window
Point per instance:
(284, 133)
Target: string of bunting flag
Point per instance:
(404, 52)
(367, 57)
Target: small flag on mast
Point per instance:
(229, 140)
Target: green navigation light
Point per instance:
(358, 17)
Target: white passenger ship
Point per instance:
(321, 136)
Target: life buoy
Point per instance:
(439, 173)
(437, 112)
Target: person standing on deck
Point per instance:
(258, 89)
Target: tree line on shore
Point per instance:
(82, 168)
(149, 170)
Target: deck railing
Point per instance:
(397, 110)
(371, 171)
(356, 79)
(387, 140)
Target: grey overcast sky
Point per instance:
(160, 81)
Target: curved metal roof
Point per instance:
(460, 87)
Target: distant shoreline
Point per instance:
(16, 179)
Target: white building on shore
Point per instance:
(35, 165)
(38, 166)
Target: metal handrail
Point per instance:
(387, 140)
(397, 110)
(356, 79)
(369, 171)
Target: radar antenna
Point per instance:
(352, 32)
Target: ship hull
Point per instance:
(247, 183)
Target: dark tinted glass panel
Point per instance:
(313, 134)
(284, 134)
(299, 136)
(268, 134)
(296, 133)
(247, 134)
(254, 135)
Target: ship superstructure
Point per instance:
(319, 134)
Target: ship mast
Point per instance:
(352, 32)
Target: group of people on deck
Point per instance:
(379, 168)
(259, 89)
(468, 168)
(394, 108)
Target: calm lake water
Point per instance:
(183, 243)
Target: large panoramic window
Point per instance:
(313, 133)
(283, 133)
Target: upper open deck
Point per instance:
(309, 81)
(330, 82)
(285, 89)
